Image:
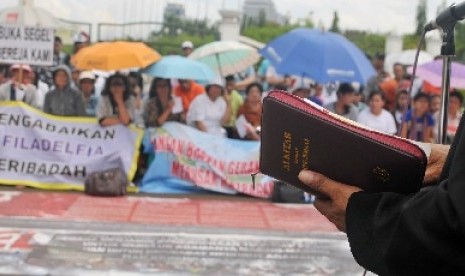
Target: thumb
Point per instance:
(319, 183)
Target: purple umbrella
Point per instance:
(432, 73)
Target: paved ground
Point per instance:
(46, 233)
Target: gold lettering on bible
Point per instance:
(305, 154)
(287, 147)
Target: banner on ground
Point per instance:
(31, 45)
(187, 160)
(53, 152)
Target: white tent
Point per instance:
(27, 14)
(406, 58)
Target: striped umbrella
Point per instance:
(226, 57)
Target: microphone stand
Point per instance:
(447, 52)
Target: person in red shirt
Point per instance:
(187, 90)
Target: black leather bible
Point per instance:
(297, 134)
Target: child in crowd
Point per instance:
(401, 107)
(344, 104)
(417, 124)
(453, 118)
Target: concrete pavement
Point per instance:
(49, 233)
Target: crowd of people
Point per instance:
(383, 103)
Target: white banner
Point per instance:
(26, 45)
(53, 152)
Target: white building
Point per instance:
(175, 9)
(252, 9)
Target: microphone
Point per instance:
(447, 17)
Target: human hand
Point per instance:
(170, 104)
(118, 94)
(331, 196)
(227, 97)
(436, 162)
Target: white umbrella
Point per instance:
(406, 57)
(226, 57)
(28, 14)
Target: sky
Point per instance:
(386, 16)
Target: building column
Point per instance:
(394, 44)
(230, 25)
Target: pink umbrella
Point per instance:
(432, 73)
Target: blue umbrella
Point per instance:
(178, 67)
(320, 55)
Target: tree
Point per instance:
(460, 41)
(335, 24)
(421, 17)
(176, 30)
(369, 43)
(261, 18)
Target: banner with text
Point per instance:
(31, 45)
(187, 159)
(53, 152)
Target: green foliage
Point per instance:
(176, 30)
(335, 25)
(411, 41)
(460, 41)
(171, 44)
(261, 18)
(421, 16)
(174, 26)
(67, 48)
(270, 30)
(367, 42)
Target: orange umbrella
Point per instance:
(115, 55)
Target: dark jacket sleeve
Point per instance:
(79, 104)
(46, 107)
(420, 234)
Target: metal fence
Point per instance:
(142, 30)
(69, 28)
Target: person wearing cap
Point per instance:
(18, 88)
(187, 48)
(210, 110)
(63, 100)
(80, 40)
(87, 88)
(344, 106)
